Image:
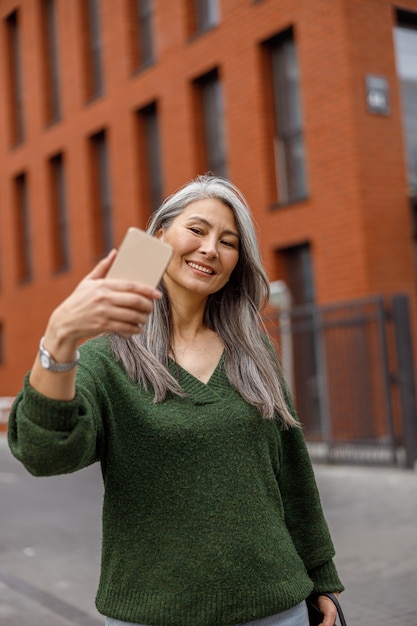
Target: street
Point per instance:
(50, 544)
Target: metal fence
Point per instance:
(350, 368)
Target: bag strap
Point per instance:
(337, 605)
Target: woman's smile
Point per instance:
(205, 240)
(201, 268)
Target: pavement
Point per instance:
(50, 543)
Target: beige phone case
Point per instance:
(141, 258)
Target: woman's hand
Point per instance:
(97, 305)
(328, 609)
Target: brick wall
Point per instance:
(356, 216)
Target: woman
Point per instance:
(211, 515)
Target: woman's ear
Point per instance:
(160, 233)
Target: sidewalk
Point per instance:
(50, 535)
(372, 513)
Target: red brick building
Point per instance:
(106, 106)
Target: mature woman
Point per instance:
(211, 515)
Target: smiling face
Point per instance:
(206, 247)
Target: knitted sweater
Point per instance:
(211, 514)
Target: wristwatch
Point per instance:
(50, 364)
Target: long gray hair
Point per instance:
(233, 313)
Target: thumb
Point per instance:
(103, 266)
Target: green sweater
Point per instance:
(211, 514)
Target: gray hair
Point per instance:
(233, 313)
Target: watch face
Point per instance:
(44, 361)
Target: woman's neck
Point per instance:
(187, 316)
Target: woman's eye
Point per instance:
(229, 244)
(195, 230)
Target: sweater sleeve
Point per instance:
(303, 510)
(55, 437)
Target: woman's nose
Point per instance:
(209, 247)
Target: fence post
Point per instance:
(404, 347)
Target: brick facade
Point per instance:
(356, 216)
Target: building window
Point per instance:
(298, 271)
(14, 63)
(142, 36)
(58, 214)
(92, 48)
(50, 56)
(210, 121)
(150, 155)
(205, 14)
(299, 274)
(405, 38)
(101, 196)
(22, 230)
(288, 146)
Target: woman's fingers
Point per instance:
(103, 266)
(103, 306)
(328, 609)
(100, 305)
(125, 310)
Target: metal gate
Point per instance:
(350, 369)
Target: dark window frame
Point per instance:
(143, 36)
(51, 61)
(299, 273)
(150, 148)
(299, 278)
(204, 15)
(207, 14)
(23, 229)
(94, 72)
(102, 205)
(15, 77)
(407, 21)
(59, 214)
(406, 18)
(211, 122)
(288, 149)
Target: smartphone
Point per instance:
(141, 258)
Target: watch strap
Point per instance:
(49, 363)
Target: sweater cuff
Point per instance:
(325, 578)
(48, 413)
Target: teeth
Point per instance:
(200, 268)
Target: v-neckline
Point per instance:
(176, 366)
